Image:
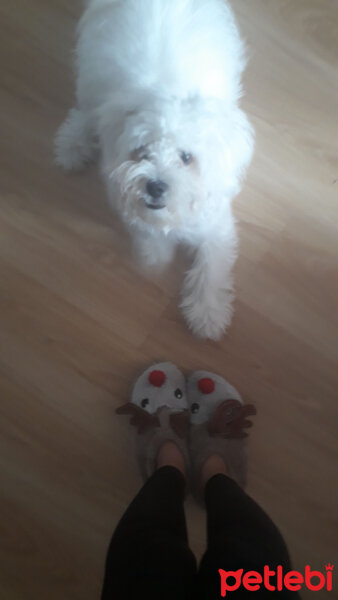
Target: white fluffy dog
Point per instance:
(158, 84)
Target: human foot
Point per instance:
(159, 410)
(169, 455)
(218, 420)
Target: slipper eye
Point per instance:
(144, 402)
(178, 393)
(195, 407)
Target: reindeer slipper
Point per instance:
(218, 423)
(159, 411)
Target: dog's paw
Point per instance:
(208, 316)
(74, 146)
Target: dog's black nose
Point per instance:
(156, 188)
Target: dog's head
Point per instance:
(166, 161)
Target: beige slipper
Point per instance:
(159, 410)
(218, 420)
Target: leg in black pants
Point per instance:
(240, 536)
(149, 556)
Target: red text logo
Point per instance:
(276, 580)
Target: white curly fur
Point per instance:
(156, 78)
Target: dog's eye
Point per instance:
(144, 402)
(140, 153)
(186, 157)
(195, 407)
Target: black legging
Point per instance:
(149, 556)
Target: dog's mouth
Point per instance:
(155, 204)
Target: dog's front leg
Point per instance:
(208, 287)
(153, 250)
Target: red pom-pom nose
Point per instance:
(206, 385)
(157, 378)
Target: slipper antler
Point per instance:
(140, 418)
(230, 419)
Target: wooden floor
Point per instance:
(78, 320)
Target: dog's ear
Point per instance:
(225, 145)
(241, 144)
(111, 125)
(235, 146)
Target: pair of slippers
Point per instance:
(203, 415)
